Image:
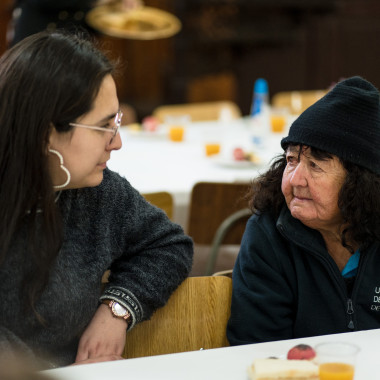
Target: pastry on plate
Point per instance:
(282, 369)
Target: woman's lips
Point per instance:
(299, 198)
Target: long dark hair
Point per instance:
(47, 80)
(358, 201)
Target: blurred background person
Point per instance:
(308, 262)
(32, 16)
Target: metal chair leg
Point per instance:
(220, 234)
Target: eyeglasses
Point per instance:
(114, 130)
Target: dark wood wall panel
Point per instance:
(226, 44)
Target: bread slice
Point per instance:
(281, 369)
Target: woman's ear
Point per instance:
(52, 136)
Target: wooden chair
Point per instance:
(226, 272)
(297, 101)
(198, 111)
(163, 200)
(195, 317)
(218, 214)
(240, 216)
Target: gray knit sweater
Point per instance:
(110, 226)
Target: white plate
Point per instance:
(235, 164)
(135, 132)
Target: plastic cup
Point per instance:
(176, 126)
(336, 360)
(212, 148)
(176, 133)
(278, 119)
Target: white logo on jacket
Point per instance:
(376, 299)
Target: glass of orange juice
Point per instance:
(336, 360)
(176, 126)
(212, 148)
(176, 132)
(278, 119)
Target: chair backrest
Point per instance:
(297, 101)
(195, 317)
(203, 111)
(161, 199)
(241, 217)
(211, 203)
(227, 272)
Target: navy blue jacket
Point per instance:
(286, 285)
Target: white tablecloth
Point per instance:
(151, 162)
(229, 363)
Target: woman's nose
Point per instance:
(299, 176)
(116, 143)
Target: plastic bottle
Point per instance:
(260, 114)
(260, 99)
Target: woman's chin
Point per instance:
(93, 181)
(300, 214)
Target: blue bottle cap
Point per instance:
(261, 86)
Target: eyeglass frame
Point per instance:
(114, 129)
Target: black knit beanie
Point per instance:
(345, 123)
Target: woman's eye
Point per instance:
(291, 159)
(106, 126)
(313, 165)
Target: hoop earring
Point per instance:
(63, 168)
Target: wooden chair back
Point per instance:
(211, 203)
(163, 200)
(195, 317)
(227, 272)
(297, 101)
(203, 111)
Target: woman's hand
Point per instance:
(103, 339)
(106, 358)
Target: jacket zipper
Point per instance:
(349, 303)
(350, 312)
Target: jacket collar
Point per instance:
(295, 231)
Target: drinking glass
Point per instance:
(278, 119)
(336, 360)
(176, 124)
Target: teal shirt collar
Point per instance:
(351, 267)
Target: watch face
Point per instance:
(119, 310)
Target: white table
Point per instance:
(221, 364)
(151, 162)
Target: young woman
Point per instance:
(66, 218)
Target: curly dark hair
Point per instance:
(358, 201)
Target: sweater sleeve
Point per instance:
(152, 255)
(262, 298)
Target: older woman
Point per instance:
(66, 218)
(310, 256)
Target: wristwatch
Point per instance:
(118, 310)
